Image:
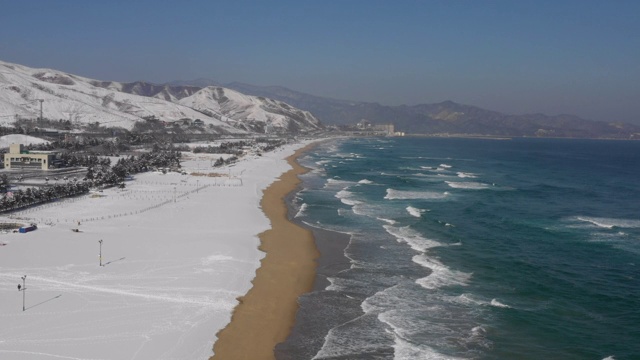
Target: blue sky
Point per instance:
(576, 57)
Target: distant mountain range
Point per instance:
(70, 97)
(445, 118)
(243, 108)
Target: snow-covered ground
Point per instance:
(7, 140)
(177, 251)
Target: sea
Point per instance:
(454, 248)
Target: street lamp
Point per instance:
(23, 288)
(100, 241)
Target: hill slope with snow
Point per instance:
(258, 114)
(7, 140)
(70, 97)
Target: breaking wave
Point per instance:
(469, 185)
(347, 197)
(609, 223)
(404, 195)
(441, 275)
(413, 211)
(413, 238)
(466, 175)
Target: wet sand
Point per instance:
(266, 314)
(315, 319)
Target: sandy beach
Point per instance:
(178, 251)
(267, 312)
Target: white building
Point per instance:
(18, 158)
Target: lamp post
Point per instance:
(23, 288)
(100, 242)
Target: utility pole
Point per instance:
(100, 241)
(41, 101)
(23, 288)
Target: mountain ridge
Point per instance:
(60, 95)
(446, 118)
(244, 108)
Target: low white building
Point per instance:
(18, 158)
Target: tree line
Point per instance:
(99, 174)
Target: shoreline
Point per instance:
(178, 251)
(314, 319)
(266, 315)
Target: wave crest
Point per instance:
(413, 211)
(610, 223)
(469, 185)
(406, 194)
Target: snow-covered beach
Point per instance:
(177, 250)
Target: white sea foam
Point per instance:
(465, 299)
(411, 237)
(397, 307)
(349, 155)
(346, 197)
(365, 181)
(393, 194)
(337, 183)
(388, 221)
(302, 210)
(469, 185)
(405, 350)
(333, 286)
(610, 357)
(423, 175)
(413, 211)
(445, 166)
(478, 331)
(497, 303)
(345, 343)
(441, 275)
(609, 223)
(362, 209)
(466, 175)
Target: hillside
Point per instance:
(69, 97)
(260, 114)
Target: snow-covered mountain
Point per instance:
(258, 114)
(167, 92)
(79, 99)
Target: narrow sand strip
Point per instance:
(267, 312)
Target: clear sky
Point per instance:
(579, 57)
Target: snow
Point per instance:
(230, 105)
(7, 140)
(177, 252)
(79, 99)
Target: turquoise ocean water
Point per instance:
(473, 249)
